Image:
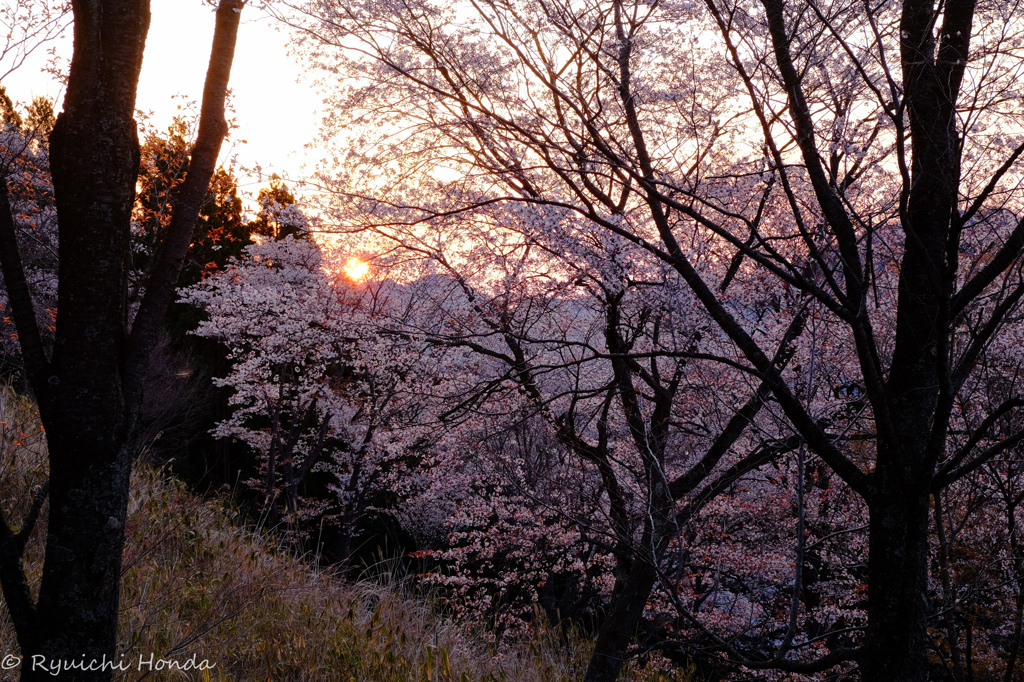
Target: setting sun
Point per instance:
(356, 269)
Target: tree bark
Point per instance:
(897, 632)
(89, 392)
(912, 408)
(94, 156)
(623, 618)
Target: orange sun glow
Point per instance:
(356, 269)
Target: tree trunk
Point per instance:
(77, 611)
(620, 624)
(89, 391)
(897, 632)
(89, 425)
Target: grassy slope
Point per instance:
(197, 582)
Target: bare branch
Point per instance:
(37, 364)
(212, 129)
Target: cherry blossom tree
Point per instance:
(858, 157)
(589, 346)
(315, 386)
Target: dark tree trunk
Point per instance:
(94, 156)
(912, 405)
(620, 624)
(77, 611)
(89, 391)
(897, 588)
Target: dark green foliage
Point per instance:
(41, 117)
(220, 232)
(8, 114)
(274, 200)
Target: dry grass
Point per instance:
(197, 582)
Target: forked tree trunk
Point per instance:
(89, 391)
(94, 157)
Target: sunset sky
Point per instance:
(276, 115)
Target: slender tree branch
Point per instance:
(687, 482)
(21, 539)
(212, 129)
(763, 454)
(1007, 254)
(37, 364)
(969, 359)
(941, 481)
(979, 433)
(980, 200)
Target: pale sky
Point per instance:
(276, 115)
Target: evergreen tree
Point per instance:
(41, 117)
(220, 230)
(8, 114)
(279, 216)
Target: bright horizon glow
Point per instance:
(276, 115)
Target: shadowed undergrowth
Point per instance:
(197, 585)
